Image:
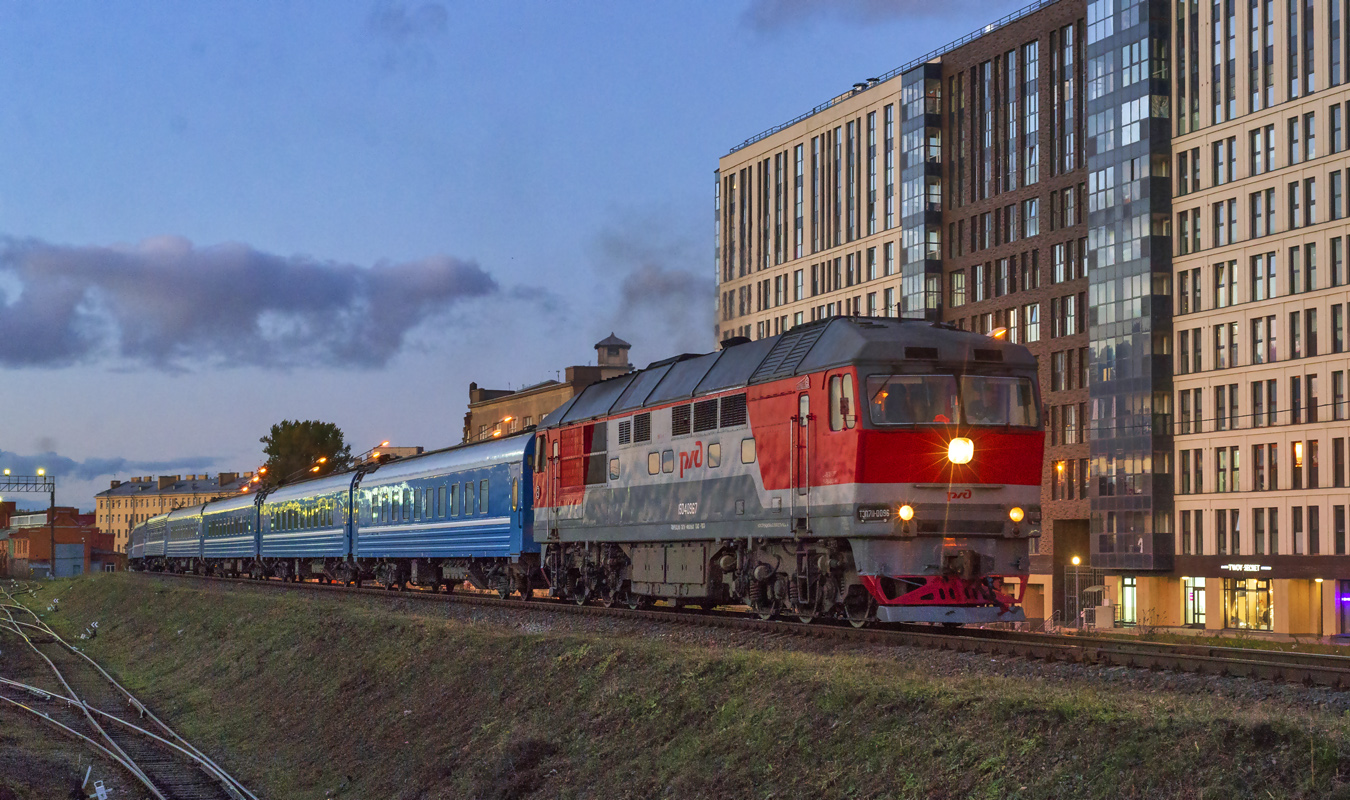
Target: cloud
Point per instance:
(167, 304)
(768, 16)
(406, 34)
(665, 301)
(59, 466)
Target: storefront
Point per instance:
(1247, 604)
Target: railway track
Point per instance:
(52, 680)
(1311, 669)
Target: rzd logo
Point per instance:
(961, 495)
(690, 459)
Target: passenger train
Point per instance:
(853, 468)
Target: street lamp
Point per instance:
(1077, 598)
(496, 427)
(1320, 609)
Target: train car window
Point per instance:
(705, 415)
(384, 507)
(653, 463)
(454, 500)
(468, 499)
(483, 496)
(836, 402)
(614, 469)
(642, 428)
(747, 451)
(913, 399)
(438, 503)
(668, 461)
(991, 400)
(714, 455)
(515, 494)
(843, 407)
(407, 504)
(679, 420)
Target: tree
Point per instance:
(294, 448)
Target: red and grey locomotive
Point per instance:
(860, 468)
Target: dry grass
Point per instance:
(308, 697)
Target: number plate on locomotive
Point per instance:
(874, 513)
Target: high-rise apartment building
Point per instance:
(1131, 189)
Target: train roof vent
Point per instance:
(787, 353)
(988, 355)
(929, 353)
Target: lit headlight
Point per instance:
(1016, 514)
(960, 450)
(906, 512)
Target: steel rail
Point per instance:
(126, 759)
(214, 771)
(1307, 668)
(186, 747)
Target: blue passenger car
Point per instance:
(304, 523)
(230, 533)
(183, 544)
(441, 512)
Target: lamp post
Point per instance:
(373, 452)
(496, 429)
(1321, 610)
(1077, 598)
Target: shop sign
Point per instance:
(1245, 567)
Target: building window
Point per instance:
(1247, 604)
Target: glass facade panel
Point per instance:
(1129, 292)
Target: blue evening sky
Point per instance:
(214, 216)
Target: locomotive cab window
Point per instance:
(913, 399)
(540, 452)
(991, 400)
(843, 407)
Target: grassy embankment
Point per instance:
(308, 697)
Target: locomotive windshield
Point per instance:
(946, 399)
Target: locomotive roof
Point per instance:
(804, 349)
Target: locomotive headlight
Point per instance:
(1016, 514)
(960, 450)
(906, 512)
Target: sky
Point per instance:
(216, 216)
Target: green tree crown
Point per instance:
(293, 448)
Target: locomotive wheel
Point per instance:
(859, 609)
(636, 601)
(805, 617)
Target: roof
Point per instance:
(612, 341)
(805, 349)
(145, 488)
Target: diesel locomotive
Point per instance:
(856, 468)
